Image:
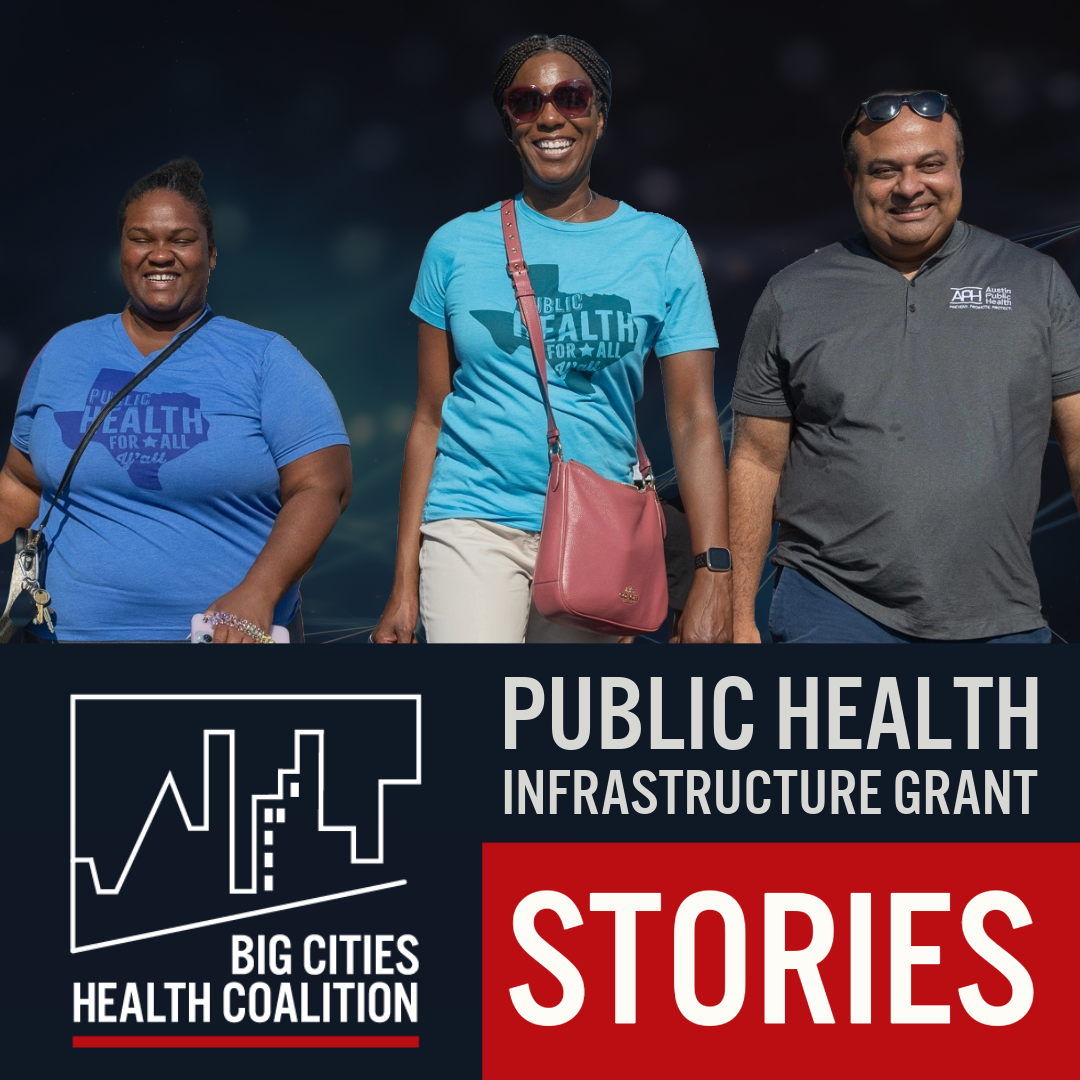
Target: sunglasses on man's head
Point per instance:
(885, 107)
(573, 99)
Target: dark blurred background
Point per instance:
(334, 141)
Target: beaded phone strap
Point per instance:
(245, 626)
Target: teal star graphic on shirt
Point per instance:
(583, 333)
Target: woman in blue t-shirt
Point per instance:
(209, 487)
(612, 284)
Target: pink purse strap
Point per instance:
(518, 270)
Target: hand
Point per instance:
(398, 621)
(245, 603)
(746, 631)
(707, 615)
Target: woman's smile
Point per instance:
(165, 258)
(555, 150)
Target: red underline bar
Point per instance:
(215, 1041)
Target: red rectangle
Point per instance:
(218, 1041)
(669, 1010)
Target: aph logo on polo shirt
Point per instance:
(981, 298)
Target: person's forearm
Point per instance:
(315, 490)
(302, 526)
(698, 453)
(1070, 451)
(1066, 424)
(415, 480)
(1072, 464)
(752, 494)
(20, 494)
(434, 381)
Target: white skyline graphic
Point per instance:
(263, 814)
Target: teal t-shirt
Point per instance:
(608, 293)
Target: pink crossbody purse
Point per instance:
(600, 565)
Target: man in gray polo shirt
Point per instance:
(893, 399)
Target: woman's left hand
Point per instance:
(245, 603)
(706, 619)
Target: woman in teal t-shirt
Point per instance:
(612, 284)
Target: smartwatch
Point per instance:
(717, 559)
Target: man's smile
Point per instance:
(911, 213)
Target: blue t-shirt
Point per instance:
(608, 292)
(177, 492)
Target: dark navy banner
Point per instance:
(477, 857)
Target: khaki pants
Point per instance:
(476, 586)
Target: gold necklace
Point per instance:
(582, 210)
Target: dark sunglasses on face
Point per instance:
(572, 98)
(885, 107)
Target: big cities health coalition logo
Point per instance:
(192, 811)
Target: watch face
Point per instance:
(718, 559)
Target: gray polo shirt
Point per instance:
(921, 413)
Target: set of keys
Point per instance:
(44, 614)
(38, 593)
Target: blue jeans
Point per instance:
(804, 613)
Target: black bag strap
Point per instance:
(119, 396)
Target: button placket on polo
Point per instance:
(914, 318)
(915, 298)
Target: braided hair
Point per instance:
(181, 176)
(592, 63)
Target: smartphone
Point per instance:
(202, 633)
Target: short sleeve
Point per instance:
(24, 411)
(688, 321)
(429, 296)
(1064, 334)
(299, 414)
(759, 388)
